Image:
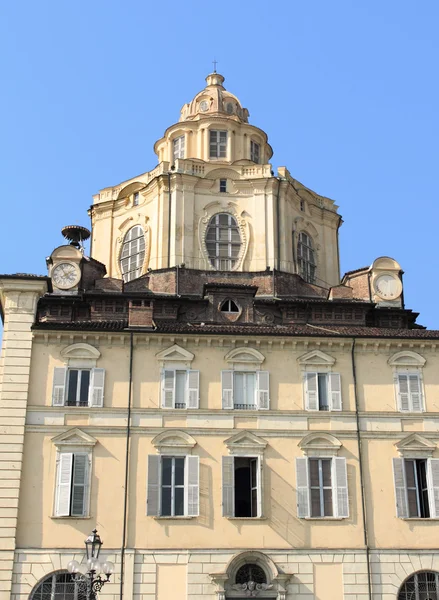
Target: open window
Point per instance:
(321, 386)
(416, 479)
(245, 386)
(73, 473)
(242, 476)
(241, 486)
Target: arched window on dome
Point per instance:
(59, 586)
(223, 242)
(420, 586)
(133, 253)
(306, 258)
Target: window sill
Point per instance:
(247, 518)
(176, 518)
(425, 519)
(71, 518)
(324, 518)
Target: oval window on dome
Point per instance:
(133, 253)
(229, 108)
(223, 242)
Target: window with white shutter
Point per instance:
(173, 488)
(72, 484)
(416, 482)
(246, 390)
(180, 388)
(78, 387)
(322, 489)
(322, 391)
(242, 486)
(409, 392)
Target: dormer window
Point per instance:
(223, 186)
(255, 151)
(218, 144)
(228, 306)
(136, 199)
(178, 145)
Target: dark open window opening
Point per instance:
(229, 306)
(246, 487)
(417, 488)
(250, 572)
(223, 185)
(78, 387)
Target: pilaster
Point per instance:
(19, 301)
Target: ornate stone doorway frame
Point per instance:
(274, 589)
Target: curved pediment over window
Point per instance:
(317, 443)
(245, 355)
(406, 358)
(316, 357)
(80, 355)
(174, 441)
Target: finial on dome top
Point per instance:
(215, 79)
(214, 62)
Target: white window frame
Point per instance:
(218, 146)
(339, 485)
(405, 397)
(178, 147)
(306, 257)
(333, 386)
(191, 487)
(71, 443)
(133, 250)
(229, 488)
(401, 489)
(95, 390)
(136, 198)
(218, 262)
(255, 151)
(169, 388)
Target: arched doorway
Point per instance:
(423, 585)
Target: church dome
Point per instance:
(214, 99)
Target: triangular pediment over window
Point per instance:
(74, 437)
(415, 446)
(316, 357)
(245, 442)
(175, 353)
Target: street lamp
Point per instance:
(89, 581)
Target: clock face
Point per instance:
(204, 105)
(388, 287)
(65, 275)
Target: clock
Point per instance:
(388, 287)
(204, 105)
(66, 275)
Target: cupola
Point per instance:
(213, 127)
(214, 99)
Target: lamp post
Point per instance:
(90, 581)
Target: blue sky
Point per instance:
(346, 90)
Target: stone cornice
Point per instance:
(158, 340)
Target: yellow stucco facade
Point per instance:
(306, 488)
